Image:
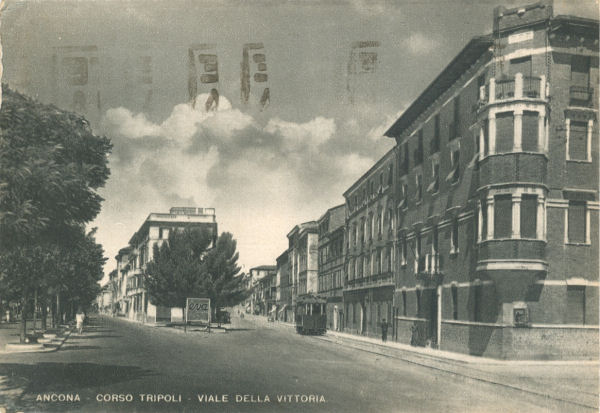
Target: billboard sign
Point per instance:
(197, 309)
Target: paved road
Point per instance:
(115, 358)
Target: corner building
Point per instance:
(496, 195)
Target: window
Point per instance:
(404, 303)
(418, 154)
(504, 132)
(454, 237)
(378, 261)
(454, 290)
(577, 223)
(484, 220)
(520, 65)
(580, 70)
(418, 303)
(454, 174)
(435, 140)
(390, 175)
(434, 186)
(403, 252)
(419, 187)
(404, 192)
(503, 216)
(403, 159)
(486, 138)
(380, 222)
(529, 216)
(454, 126)
(372, 218)
(578, 141)
(575, 304)
(529, 137)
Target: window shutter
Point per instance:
(577, 222)
(502, 216)
(578, 141)
(504, 132)
(529, 216)
(529, 137)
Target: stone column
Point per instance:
(516, 216)
(492, 134)
(518, 130)
(519, 85)
(490, 217)
(541, 218)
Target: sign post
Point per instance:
(198, 309)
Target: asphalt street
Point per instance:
(121, 366)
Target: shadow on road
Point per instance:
(69, 348)
(96, 336)
(48, 377)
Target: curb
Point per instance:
(423, 363)
(465, 359)
(47, 347)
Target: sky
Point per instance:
(263, 169)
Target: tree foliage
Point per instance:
(51, 166)
(187, 266)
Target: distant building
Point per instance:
(303, 254)
(369, 288)
(284, 288)
(256, 303)
(132, 260)
(331, 263)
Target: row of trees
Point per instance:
(189, 266)
(51, 166)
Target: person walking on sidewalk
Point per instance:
(80, 317)
(384, 330)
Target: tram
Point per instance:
(310, 316)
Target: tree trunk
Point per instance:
(44, 314)
(23, 332)
(58, 318)
(35, 304)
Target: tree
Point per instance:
(186, 267)
(222, 281)
(51, 166)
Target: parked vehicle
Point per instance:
(310, 316)
(223, 317)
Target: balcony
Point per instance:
(581, 96)
(428, 266)
(379, 280)
(510, 88)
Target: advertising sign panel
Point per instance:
(197, 309)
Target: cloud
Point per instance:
(263, 177)
(420, 44)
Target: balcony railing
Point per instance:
(384, 278)
(581, 96)
(517, 87)
(428, 265)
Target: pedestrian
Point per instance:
(384, 330)
(80, 317)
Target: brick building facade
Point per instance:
(331, 264)
(497, 188)
(369, 286)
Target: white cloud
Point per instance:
(420, 44)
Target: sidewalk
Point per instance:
(570, 381)
(9, 340)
